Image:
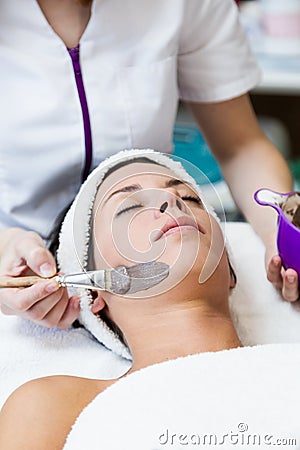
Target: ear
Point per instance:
(98, 302)
(232, 282)
(233, 279)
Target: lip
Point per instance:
(178, 224)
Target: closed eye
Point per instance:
(190, 198)
(128, 209)
(187, 198)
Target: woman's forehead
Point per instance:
(145, 174)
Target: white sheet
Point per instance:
(29, 351)
(260, 314)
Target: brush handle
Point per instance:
(6, 282)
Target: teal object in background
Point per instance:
(191, 147)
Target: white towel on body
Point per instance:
(241, 398)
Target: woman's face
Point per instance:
(143, 213)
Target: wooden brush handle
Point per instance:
(6, 282)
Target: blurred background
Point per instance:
(273, 29)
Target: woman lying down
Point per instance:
(137, 206)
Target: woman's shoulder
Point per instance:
(45, 409)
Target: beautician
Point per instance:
(64, 108)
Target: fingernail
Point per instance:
(276, 262)
(47, 270)
(291, 279)
(51, 287)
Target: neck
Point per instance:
(181, 332)
(68, 18)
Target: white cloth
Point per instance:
(137, 58)
(29, 351)
(230, 399)
(259, 313)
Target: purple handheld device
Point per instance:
(288, 234)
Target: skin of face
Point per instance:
(142, 212)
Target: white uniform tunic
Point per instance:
(137, 59)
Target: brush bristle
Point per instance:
(119, 281)
(128, 280)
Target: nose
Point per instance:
(165, 205)
(169, 201)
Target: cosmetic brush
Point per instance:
(121, 280)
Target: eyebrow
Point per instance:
(137, 187)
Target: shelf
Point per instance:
(280, 75)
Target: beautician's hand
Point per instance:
(286, 281)
(23, 253)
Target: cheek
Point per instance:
(132, 235)
(105, 252)
(125, 240)
(213, 252)
(102, 248)
(139, 231)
